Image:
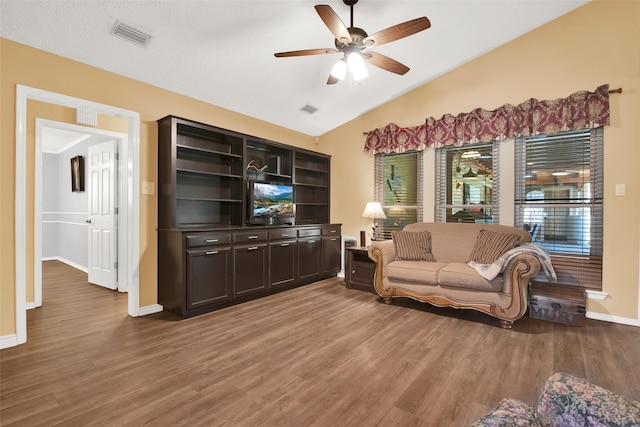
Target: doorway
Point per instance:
(129, 212)
(60, 211)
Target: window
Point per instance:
(559, 192)
(398, 185)
(467, 184)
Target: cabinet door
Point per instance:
(208, 276)
(309, 258)
(331, 255)
(283, 261)
(250, 269)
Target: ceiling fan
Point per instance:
(354, 42)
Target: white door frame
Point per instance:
(121, 139)
(129, 211)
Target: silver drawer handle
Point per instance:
(333, 240)
(312, 241)
(252, 237)
(211, 252)
(286, 235)
(284, 244)
(252, 248)
(211, 241)
(332, 231)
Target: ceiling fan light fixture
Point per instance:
(339, 70)
(353, 42)
(469, 174)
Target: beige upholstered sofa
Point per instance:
(448, 281)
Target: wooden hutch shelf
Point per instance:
(209, 256)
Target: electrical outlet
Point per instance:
(620, 189)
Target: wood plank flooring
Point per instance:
(319, 355)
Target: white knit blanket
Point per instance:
(490, 271)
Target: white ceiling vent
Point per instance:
(131, 34)
(309, 109)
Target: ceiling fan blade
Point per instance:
(305, 52)
(333, 22)
(397, 32)
(385, 63)
(332, 80)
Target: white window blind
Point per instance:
(467, 183)
(398, 186)
(559, 194)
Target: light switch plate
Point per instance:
(620, 189)
(148, 188)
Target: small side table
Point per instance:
(360, 269)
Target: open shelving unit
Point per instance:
(200, 175)
(311, 180)
(203, 174)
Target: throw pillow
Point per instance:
(412, 245)
(490, 245)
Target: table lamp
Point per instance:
(373, 210)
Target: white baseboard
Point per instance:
(613, 319)
(149, 309)
(69, 263)
(7, 341)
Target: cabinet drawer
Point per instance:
(331, 230)
(206, 239)
(283, 233)
(308, 232)
(250, 236)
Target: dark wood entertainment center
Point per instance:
(209, 256)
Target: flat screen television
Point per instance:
(271, 203)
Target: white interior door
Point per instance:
(102, 214)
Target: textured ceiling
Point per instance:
(221, 52)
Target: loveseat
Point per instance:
(566, 400)
(429, 262)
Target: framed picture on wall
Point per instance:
(77, 173)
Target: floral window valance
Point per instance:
(578, 111)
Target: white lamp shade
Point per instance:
(339, 71)
(356, 66)
(373, 210)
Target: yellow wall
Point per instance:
(34, 68)
(597, 43)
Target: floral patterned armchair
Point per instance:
(567, 401)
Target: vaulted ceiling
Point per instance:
(222, 52)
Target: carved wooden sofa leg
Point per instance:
(387, 300)
(506, 324)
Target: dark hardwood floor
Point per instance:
(319, 355)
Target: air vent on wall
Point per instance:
(131, 34)
(86, 117)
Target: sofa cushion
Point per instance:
(459, 275)
(414, 271)
(571, 401)
(509, 412)
(490, 245)
(412, 246)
